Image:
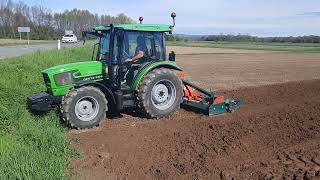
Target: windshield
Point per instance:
(104, 46)
(68, 35)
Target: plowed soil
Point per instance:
(234, 71)
(274, 135)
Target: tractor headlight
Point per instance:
(64, 78)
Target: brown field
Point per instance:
(221, 69)
(274, 135)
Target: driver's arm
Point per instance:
(138, 56)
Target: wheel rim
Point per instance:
(163, 94)
(87, 108)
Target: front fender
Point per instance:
(107, 91)
(146, 69)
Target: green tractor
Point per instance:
(113, 82)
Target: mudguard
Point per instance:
(149, 67)
(107, 91)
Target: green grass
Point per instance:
(32, 147)
(284, 47)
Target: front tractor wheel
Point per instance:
(84, 107)
(160, 93)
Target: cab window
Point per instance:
(159, 46)
(151, 43)
(131, 42)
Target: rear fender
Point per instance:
(149, 67)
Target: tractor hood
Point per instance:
(59, 79)
(83, 68)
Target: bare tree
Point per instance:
(48, 25)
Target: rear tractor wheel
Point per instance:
(84, 107)
(160, 93)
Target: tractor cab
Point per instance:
(118, 44)
(122, 43)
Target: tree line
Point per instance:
(248, 38)
(46, 24)
(244, 38)
(172, 37)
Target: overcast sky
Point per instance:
(254, 17)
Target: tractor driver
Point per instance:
(139, 58)
(141, 50)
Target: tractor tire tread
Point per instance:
(67, 99)
(143, 88)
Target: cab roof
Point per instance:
(138, 27)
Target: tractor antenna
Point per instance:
(173, 15)
(141, 19)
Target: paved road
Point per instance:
(14, 51)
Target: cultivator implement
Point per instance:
(200, 100)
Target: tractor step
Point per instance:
(128, 97)
(128, 100)
(129, 103)
(126, 89)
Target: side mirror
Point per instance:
(172, 56)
